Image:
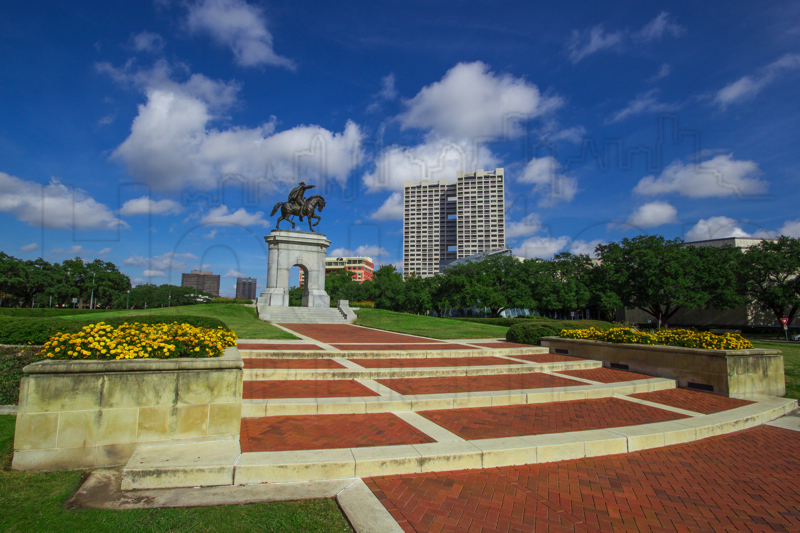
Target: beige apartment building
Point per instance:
(445, 221)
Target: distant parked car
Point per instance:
(795, 336)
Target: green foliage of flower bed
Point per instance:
(12, 361)
(506, 322)
(666, 337)
(531, 332)
(38, 330)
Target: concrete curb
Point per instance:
(8, 410)
(364, 511)
(394, 402)
(387, 354)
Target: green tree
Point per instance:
(296, 297)
(389, 288)
(769, 274)
(337, 281)
(418, 294)
(13, 280)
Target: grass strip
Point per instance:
(34, 502)
(426, 326)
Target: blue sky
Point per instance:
(158, 135)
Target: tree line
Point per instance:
(646, 272)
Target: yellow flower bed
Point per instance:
(665, 337)
(129, 341)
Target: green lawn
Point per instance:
(791, 364)
(33, 502)
(425, 326)
(240, 319)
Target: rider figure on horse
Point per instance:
(296, 197)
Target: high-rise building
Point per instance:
(201, 280)
(445, 221)
(246, 288)
(362, 267)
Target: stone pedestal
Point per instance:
(288, 249)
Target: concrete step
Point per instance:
(259, 374)
(302, 315)
(206, 464)
(392, 402)
(388, 354)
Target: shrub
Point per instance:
(665, 337)
(506, 322)
(231, 301)
(12, 361)
(530, 333)
(135, 340)
(38, 330)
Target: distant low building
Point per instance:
(201, 280)
(246, 288)
(361, 267)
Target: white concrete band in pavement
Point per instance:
(658, 405)
(431, 429)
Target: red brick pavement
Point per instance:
(340, 333)
(317, 432)
(547, 358)
(277, 347)
(542, 418)
(745, 481)
(605, 375)
(532, 380)
(434, 362)
(699, 402)
(407, 347)
(291, 363)
(500, 344)
(305, 388)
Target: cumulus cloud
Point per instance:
(470, 102)
(748, 87)
(527, 226)
(584, 43)
(392, 208)
(210, 235)
(791, 228)
(715, 228)
(75, 250)
(239, 26)
(145, 206)
(231, 273)
(643, 103)
(543, 173)
(153, 274)
(54, 205)
(584, 247)
(720, 176)
(104, 251)
(147, 41)
(173, 144)
(30, 247)
(652, 215)
(361, 251)
(221, 216)
(166, 261)
(541, 247)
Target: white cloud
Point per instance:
(211, 234)
(720, 176)
(145, 205)
(652, 215)
(241, 27)
(471, 102)
(361, 251)
(541, 247)
(643, 103)
(585, 248)
(104, 251)
(173, 143)
(54, 205)
(153, 274)
(147, 41)
(527, 226)
(543, 174)
(392, 208)
(584, 43)
(75, 250)
(240, 217)
(166, 261)
(715, 228)
(138, 281)
(657, 28)
(663, 72)
(552, 132)
(432, 160)
(107, 119)
(231, 273)
(791, 228)
(29, 247)
(748, 87)
(388, 91)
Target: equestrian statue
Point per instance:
(299, 206)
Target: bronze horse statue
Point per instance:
(290, 209)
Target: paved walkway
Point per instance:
(746, 481)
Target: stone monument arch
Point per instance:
(288, 249)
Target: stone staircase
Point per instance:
(302, 315)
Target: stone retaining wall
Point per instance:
(88, 414)
(733, 373)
